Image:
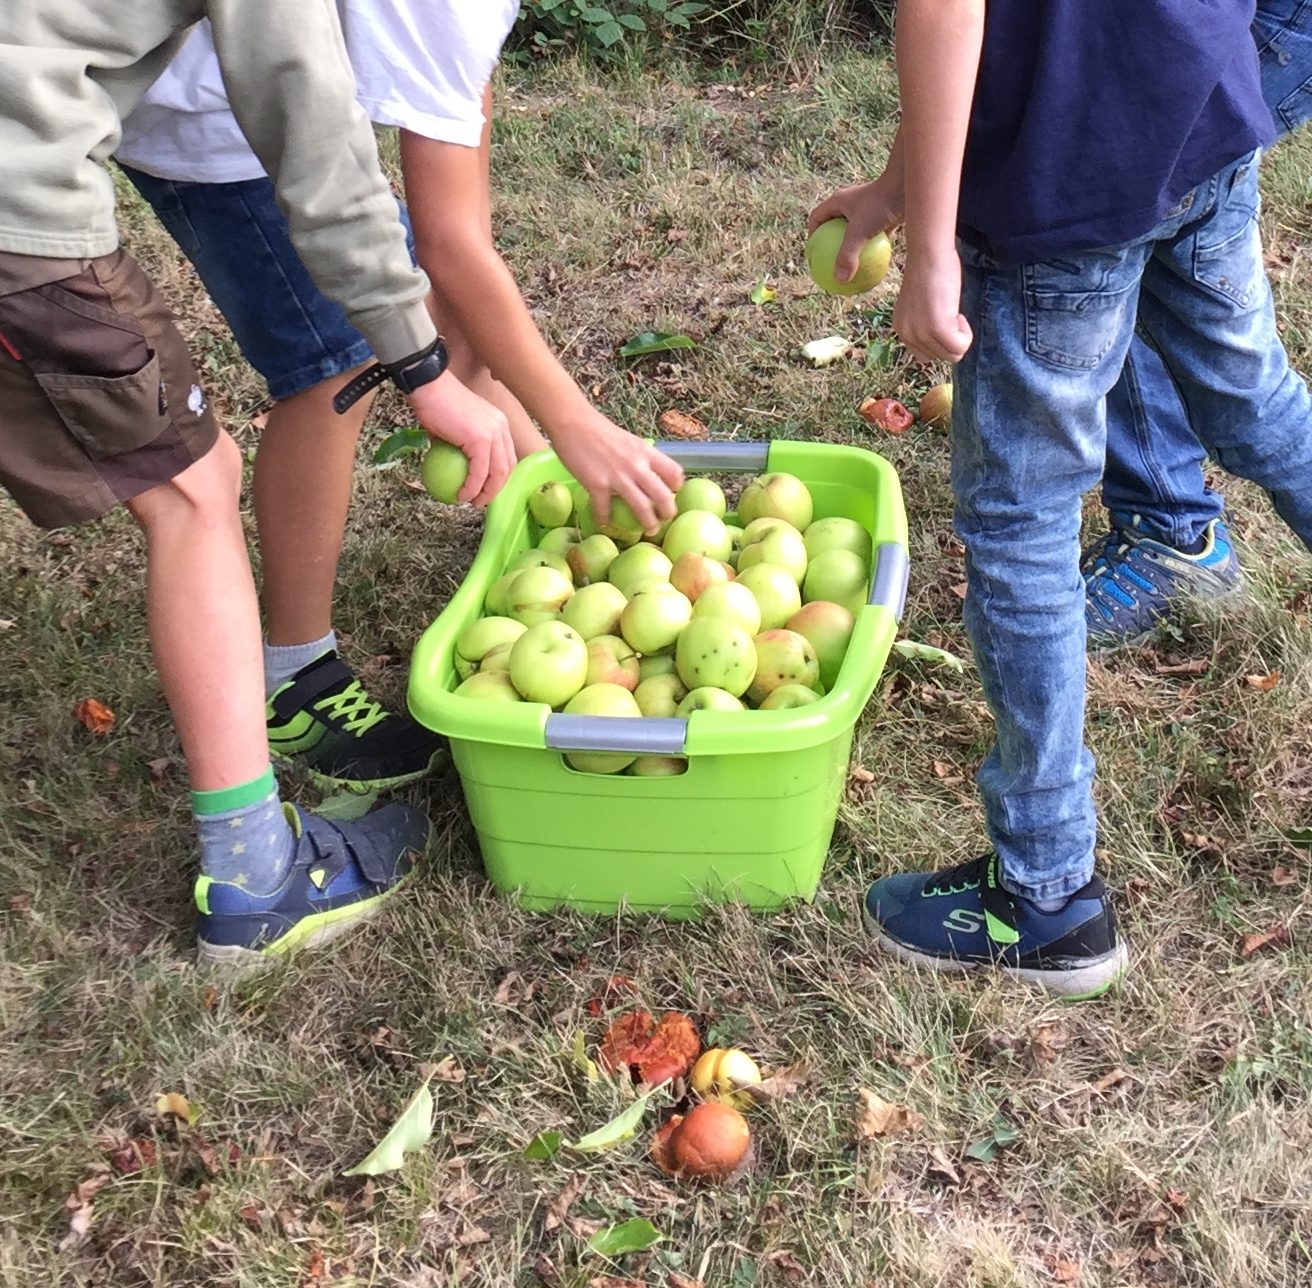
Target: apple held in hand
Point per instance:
(612, 661)
(733, 602)
(782, 657)
(698, 532)
(653, 619)
(444, 471)
(622, 526)
(549, 663)
(822, 249)
(591, 558)
(782, 546)
(713, 653)
(693, 573)
(840, 577)
(602, 700)
(777, 496)
(838, 534)
(829, 627)
(701, 494)
(551, 504)
(788, 696)
(479, 638)
(538, 594)
(638, 564)
(660, 695)
(709, 700)
(775, 591)
(595, 610)
(489, 686)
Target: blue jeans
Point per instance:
(1029, 438)
(1154, 459)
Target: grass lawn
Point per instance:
(1162, 1136)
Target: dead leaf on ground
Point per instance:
(1203, 843)
(782, 1259)
(78, 1205)
(879, 1117)
(1276, 937)
(1047, 1043)
(609, 1281)
(942, 1166)
(1062, 1269)
(1177, 1199)
(173, 1102)
(676, 1280)
(253, 1217)
(132, 1156)
(1263, 683)
(1283, 876)
(1194, 666)
(959, 590)
(447, 1069)
(94, 716)
(159, 769)
(782, 1083)
(563, 1201)
(860, 774)
(1110, 1080)
(513, 990)
(679, 424)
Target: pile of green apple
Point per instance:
(713, 612)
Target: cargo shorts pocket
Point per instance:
(110, 415)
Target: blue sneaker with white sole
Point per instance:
(963, 919)
(341, 874)
(1132, 579)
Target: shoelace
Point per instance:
(352, 708)
(965, 876)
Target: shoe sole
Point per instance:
(359, 786)
(1077, 985)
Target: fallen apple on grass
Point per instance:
(721, 1074)
(936, 407)
(651, 1051)
(549, 663)
(709, 1142)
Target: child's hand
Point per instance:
(928, 317)
(609, 462)
(869, 208)
(454, 413)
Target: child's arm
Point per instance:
(446, 188)
(869, 208)
(938, 53)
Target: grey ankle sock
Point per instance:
(250, 843)
(282, 661)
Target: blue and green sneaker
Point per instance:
(963, 919)
(341, 874)
(1132, 579)
(324, 722)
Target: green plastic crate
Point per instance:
(751, 819)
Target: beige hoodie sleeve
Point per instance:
(293, 93)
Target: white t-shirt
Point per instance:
(419, 64)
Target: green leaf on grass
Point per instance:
(879, 353)
(346, 806)
(1299, 836)
(409, 1132)
(656, 342)
(399, 443)
(543, 1146)
(579, 1057)
(763, 294)
(928, 653)
(620, 1128)
(986, 1150)
(636, 1235)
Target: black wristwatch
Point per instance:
(407, 375)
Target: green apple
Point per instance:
(585, 517)
(652, 620)
(658, 766)
(655, 664)
(782, 546)
(822, 248)
(839, 576)
(595, 610)
(775, 591)
(444, 470)
(549, 663)
(733, 602)
(497, 603)
(538, 558)
(709, 700)
(787, 696)
(758, 528)
(538, 594)
(829, 628)
(612, 661)
(559, 541)
(602, 700)
(782, 657)
(660, 695)
(637, 564)
(551, 504)
(777, 496)
(735, 540)
(497, 658)
(591, 559)
(700, 532)
(479, 638)
(622, 526)
(700, 494)
(693, 573)
(837, 534)
(490, 686)
(713, 653)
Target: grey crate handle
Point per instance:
(661, 736)
(743, 457)
(889, 584)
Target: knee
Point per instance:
(207, 491)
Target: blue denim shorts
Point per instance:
(238, 239)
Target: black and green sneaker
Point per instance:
(324, 722)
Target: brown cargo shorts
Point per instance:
(99, 399)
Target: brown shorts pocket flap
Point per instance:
(110, 415)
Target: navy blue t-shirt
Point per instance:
(1093, 118)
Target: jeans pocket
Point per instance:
(1072, 330)
(1227, 251)
(110, 415)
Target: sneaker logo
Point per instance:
(964, 920)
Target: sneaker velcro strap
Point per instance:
(335, 851)
(323, 676)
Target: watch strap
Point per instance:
(409, 374)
